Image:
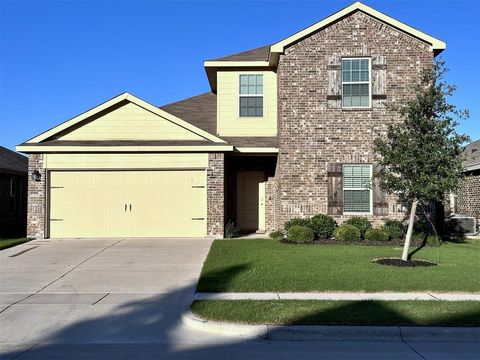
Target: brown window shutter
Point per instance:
(379, 81)
(334, 82)
(380, 201)
(335, 189)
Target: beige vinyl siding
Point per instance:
(169, 203)
(126, 161)
(229, 123)
(131, 122)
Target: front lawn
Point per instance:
(267, 265)
(308, 312)
(6, 243)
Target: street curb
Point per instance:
(245, 331)
(328, 333)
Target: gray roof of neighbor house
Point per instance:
(259, 54)
(12, 162)
(472, 156)
(201, 111)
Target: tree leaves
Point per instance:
(421, 155)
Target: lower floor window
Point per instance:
(356, 188)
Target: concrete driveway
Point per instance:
(96, 290)
(123, 299)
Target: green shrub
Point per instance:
(300, 234)
(323, 225)
(433, 240)
(361, 223)
(230, 230)
(395, 229)
(297, 222)
(277, 235)
(421, 229)
(347, 232)
(377, 235)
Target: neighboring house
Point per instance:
(467, 200)
(285, 131)
(13, 193)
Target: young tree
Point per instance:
(420, 156)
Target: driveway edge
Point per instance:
(328, 333)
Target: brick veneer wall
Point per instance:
(312, 133)
(215, 194)
(270, 196)
(468, 196)
(36, 208)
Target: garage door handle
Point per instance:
(130, 207)
(125, 207)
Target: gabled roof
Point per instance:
(117, 100)
(267, 56)
(12, 162)
(472, 156)
(436, 45)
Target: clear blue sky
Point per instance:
(60, 58)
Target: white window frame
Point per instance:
(251, 95)
(359, 189)
(369, 106)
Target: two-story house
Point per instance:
(285, 131)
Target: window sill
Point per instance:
(358, 213)
(357, 109)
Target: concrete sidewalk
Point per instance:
(384, 296)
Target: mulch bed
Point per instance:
(401, 263)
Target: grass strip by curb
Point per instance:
(312, 312)
(8, 243)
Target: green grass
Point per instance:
(310, 312)
(267, 265)
(6, 243)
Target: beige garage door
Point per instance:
(128, 203)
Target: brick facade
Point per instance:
(315, 131)
(468, 195)
(270, 196)
(36, 208)
(215, 194)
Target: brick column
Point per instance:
(36, 208)
(270, 200)
(215, 194)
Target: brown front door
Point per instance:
(248, 184)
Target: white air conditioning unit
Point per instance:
(461, 225)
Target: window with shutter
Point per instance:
(356, 83)
(357, 195)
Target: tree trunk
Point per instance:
(408, 238)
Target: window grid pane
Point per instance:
(251, 106)
(355, 83)
(251, 84)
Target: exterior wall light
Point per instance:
(36, 176)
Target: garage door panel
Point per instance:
(128, 203)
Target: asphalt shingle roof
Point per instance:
(11, 161)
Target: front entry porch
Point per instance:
(247, 178)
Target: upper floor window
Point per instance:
(251, 95)
(355, 82)
(357, 197)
